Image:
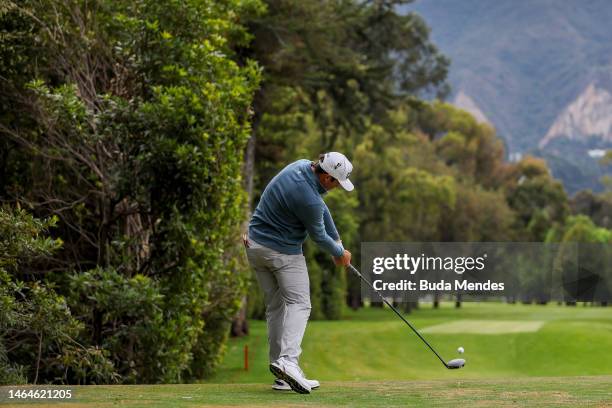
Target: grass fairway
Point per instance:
(531, 392)
(374, 345)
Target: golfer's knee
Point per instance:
(296, 294)
(303, 302)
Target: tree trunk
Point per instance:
(249, 171)
(458, 301)
(354, 300)
(240, 326)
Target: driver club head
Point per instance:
(456, 363)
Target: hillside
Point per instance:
(537, 70)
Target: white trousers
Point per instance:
(284, 281)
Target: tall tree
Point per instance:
(340, 65)
(349, 62)
(128, 122)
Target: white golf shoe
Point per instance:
(280, 385)
(291, 374)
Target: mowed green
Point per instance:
(522, 392)
(374, 345)
(550, 357)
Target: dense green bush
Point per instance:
(132, 131)
(37, 330)
(125, 314)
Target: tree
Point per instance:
(598, 207)
(539, 200)
(345, 63)
(38, 334)
(583, 261)
(332, 68)
(132, 130)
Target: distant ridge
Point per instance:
(539, 71)
(590, 115)
(466, 103)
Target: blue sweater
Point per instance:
(290, 209)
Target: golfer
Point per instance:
(291, 208)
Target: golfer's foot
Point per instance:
(314, 384)
(280, 385)
(291, 374)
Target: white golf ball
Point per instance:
(460, 350)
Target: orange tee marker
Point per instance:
(246, 357)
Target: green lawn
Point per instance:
(516, 356)
(522, 392)
(375, 345)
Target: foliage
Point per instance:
(350, 60)
(330, 70)
(133, 130)
(540, 202)
(598, 207)
(430, 172)
(328, 283)
(126, 314)
(38, 331)
(582, 263)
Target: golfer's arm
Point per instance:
(330, 227)
(312, 217)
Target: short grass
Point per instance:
(374, 345)
(372, 359)
(522, 392)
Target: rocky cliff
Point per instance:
(588, 116)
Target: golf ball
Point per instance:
(460, 350)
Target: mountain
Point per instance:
(538, 70)
(466, 103)
(590, 115)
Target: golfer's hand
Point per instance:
(343, 260)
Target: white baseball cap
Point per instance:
(339, 167)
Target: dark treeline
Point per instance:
(135, 137)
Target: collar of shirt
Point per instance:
(313, 180)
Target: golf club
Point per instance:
(456, 363)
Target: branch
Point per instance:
(40, 338)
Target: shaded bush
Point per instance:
(128, 123)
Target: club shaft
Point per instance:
(355, 271)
